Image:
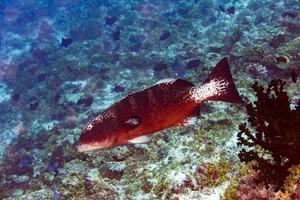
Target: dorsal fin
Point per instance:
(182, 83)
(177, 83)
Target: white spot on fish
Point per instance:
(215, 87)
(133, 121)
(106, 115)
(109, 114)
(99, 119)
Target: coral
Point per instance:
(247, 186)
(257, 70)
(291, 48)
(45, 193)
(292, 184)
(212, 174)
(272, 140)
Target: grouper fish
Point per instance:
(168, 103)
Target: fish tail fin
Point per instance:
(219, 86)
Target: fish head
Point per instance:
(98, 134)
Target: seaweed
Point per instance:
(272, 135)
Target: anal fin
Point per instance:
(189, 121)
(192, 118)
(140, 139)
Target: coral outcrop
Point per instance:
(271, 137)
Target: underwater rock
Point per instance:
(216, 48)
(11, 14)
(289, 13)
(118, 157)
(136, 38)
(70, 122)
(16, 97)
(52, 167)
(294, 76)
(34, 195)
(57, 194)
(112, 174)
(46, 31)
(58, 116)
(136, 42)
(232, 39)
(290, 48)
(257, 70)
(292, 26)
(178, 68)
(20, 179)
(135, 47)
(41, 77)
(8, 71)
(93, 175)
(40, 54)
(277, 41)
(26, 161)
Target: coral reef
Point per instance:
(62, 62)
(273, 140)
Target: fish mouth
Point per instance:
(88, 147)
(83, 147)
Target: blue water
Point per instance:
(64, 61)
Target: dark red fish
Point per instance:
(168, 103)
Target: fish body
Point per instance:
(231, 10)
(65, 42)
(164, 35)
(110, 20)
(168, 103)
(116, 35)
